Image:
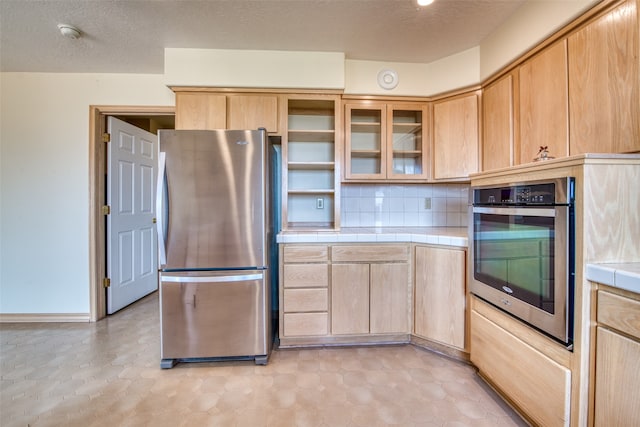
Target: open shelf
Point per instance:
(311, 165)
(311, 192)
(366, 153)
(312, 135)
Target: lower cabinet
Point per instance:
(350, 299)
(304, 294)
(370, 289)
(440, 297)
(538, 385)
(617, 375)
(369, 298)
(343, 293)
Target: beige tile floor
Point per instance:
(108, 374)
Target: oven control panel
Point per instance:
(535, 194)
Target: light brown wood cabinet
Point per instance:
(213, 110)
(369, 289)
(386, 141)
(544, 114)
(304, 294)
(456, 137)
(440, 295)
(498, 124)
(201, 111)
(537, 384)
(604, 89)
(617, 371)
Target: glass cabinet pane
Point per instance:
(406, 150)
(366, 141)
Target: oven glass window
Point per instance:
(514, 254)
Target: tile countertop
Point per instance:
(449, 236)
(624, 276)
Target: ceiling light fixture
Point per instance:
(69, 31)
(424, 2)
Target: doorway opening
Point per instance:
(150, 119)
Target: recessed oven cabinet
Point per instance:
(522, 252)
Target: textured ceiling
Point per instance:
(129, 36)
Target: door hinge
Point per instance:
(106, 137)
(106, 210)
(106, 282)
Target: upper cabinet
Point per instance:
(213, 110)
(311, 172)
(455, 137)
(201, 110)
(604, 89)
(498, 123)
(544, 115)
(252, 112)
(386, 141)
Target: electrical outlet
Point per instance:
(319, 203)
(427, 203)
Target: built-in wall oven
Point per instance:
(522, 251)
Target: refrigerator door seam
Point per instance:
(162, 251)
(208, 279)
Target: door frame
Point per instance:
(97, 196)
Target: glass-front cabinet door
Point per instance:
(365, 141)
(406, 136)
(385, 141)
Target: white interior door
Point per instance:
(132, 167)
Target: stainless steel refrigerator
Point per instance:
(214, 231)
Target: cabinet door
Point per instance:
(498, 124)
(389, 303)
(617, 377)
(201, 111)
(455, 137)
(365, 141)
(253, 112)
(544, 104)
(537, 385)
(407, 141)
(349, 299)
(604, 101)
(440, 295)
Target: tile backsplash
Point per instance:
(404, 205)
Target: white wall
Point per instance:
(253, 68)
(44, 182)
(453, 72)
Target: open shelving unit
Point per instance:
(311, 174)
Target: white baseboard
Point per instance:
(44, 317)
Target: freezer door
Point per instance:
(212, 197)
(214, 316)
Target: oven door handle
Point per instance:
(546, 212)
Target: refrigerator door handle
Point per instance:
(162, 247)
(210, 279)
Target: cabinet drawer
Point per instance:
(305, 300)
(306, 275)
(301, 324)
(619, 313)
(370, 253)
(305, 253)
(538, 385)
